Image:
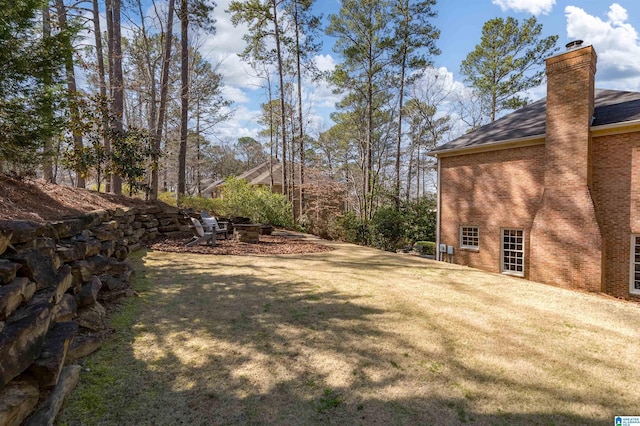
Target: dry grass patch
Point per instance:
(358, 336)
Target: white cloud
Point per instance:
(235, 94)
(617, 14)
(616, 43)
(322, 96)
(224, 46)
(242, 123)
(325, 63)
(534, 7)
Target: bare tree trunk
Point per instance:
(409, 173)
(151, 75)
(103, 86)
(198, 176)
(116, 82)
(184, 97)
(164, 90)
(271, 135)
(72, 90)
(418, 167)
(400, 110)
(283, 119)
(300, 118)
(368, 190)
(47, 164)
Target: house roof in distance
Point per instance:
(258, 175)
(611, 107)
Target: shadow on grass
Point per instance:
(228, 342)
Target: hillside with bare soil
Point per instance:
(36, 200)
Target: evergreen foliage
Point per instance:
(508, 62)
(240, 198)
(390, 228)
(30, 93)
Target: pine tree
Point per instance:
(30, 68)
(507, 62)
(364, 75)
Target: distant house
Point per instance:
(550, 192)
(264, 174)
(323, 196)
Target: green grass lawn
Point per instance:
(356, 336)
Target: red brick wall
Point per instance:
(577, 199)
(503, 189)
(566, 243)
(570, 106)
(491, 190)
(616, 193)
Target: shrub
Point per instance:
(390, 228)
(387, 229)
(426, 247)
(167, 198)
(353, 230)
(201, 203)
(240, 198)
(420, 219)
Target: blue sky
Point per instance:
(611, 26)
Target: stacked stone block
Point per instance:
(55, 279)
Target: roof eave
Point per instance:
(507, 144)
(616, 128)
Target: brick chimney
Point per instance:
(566, 244)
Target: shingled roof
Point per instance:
(611, 107)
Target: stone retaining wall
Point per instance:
(55, 279)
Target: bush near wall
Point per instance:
(392, 228)
(425, 247)
(241, 199)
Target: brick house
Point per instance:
(550, 192)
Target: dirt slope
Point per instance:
(40, 201)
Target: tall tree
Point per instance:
(116, 80)
(360, 29)
(47, 79)
(30, 64)
(251, 151)
(414, 38)
(507, 62)
(71, 88)
(199, 12)
(305, 27)
(276, 32)
(184, 97)
(101, 81)
(262, 18)
(208, 105)
(162, 108)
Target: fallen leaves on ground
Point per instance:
(269, 244)
(37, 200)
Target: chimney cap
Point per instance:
(573, 44)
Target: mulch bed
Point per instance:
(269, 244)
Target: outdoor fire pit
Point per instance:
(247, 233)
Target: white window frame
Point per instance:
(633, 263)
(503, 266)
(477, 237)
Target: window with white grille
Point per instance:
(634, 286)
(513, 251)
(470, 237)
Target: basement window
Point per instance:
(513, 252)
(634, 285)
(470, 237)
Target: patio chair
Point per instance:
(200, 235)
(212, 225)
